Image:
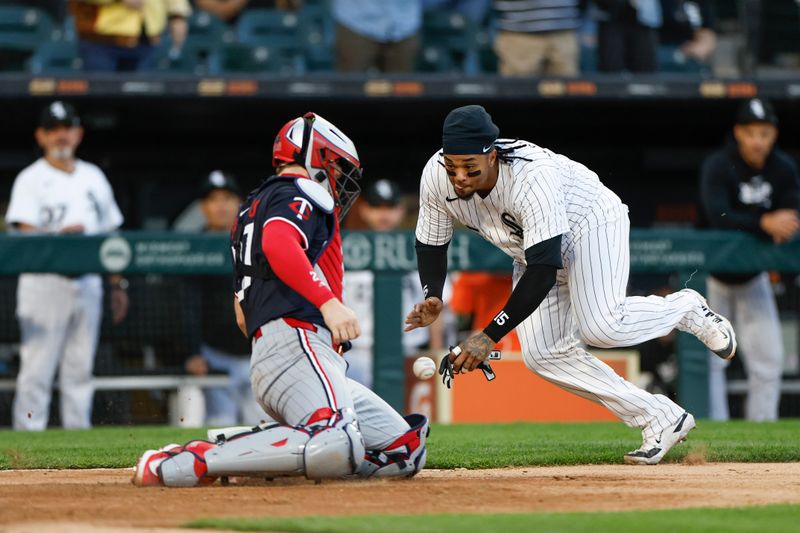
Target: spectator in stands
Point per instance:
(627, 35)
(217, 343)
(751, 185)
(59, 314)
(687, 39)
(117, 36)
(382, 209)
(231, 10)
(381, 35)
(477, 297)
(537, 37)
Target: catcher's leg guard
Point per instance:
(174, 466)
(404, 457)
(332, 448)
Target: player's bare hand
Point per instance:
(470, 353)
(781, 224)
(73, 228)
(340, 320)
(424, 314)
(197, 365)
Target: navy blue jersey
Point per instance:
(305, 205)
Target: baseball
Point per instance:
(424, 368)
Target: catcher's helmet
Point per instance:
(328, 155)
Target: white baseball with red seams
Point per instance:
(424, 368)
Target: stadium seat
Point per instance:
(453, 34)
(270, 27)
(206, 31)
(243, 58)
(65, 31)
(191, 58)
(22, 30)
(55, 57)
(435, 59)
(276, 31)
(319, 37)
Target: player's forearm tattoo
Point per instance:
(479, 346)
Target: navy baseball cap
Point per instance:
(382, 192)
(469, 130)
(756, 110)
(59, 113)
(218, 179)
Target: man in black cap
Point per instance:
(217, 344)
(60, 315)
(751, 185)
(568, 237)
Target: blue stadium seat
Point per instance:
(319, 36)
(270, 27)
(453, 34)
(207, 31)
(435, 59)
(23, 28)
(65, 31)
(55, 57)
(192, 57)
(274, 30)
(238, 58)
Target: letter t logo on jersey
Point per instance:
(302, 207)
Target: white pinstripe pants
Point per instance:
(588, 303)
(294, 372)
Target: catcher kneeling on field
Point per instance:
(288, 300)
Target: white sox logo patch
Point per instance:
(511, 222)
(302, 207)
(501, 318)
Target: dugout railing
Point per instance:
(157, 261)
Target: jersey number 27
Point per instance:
(245, 258)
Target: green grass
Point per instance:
(466, 446)
(774, 518)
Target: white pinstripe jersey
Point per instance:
(538, 195)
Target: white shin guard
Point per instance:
(318, 452)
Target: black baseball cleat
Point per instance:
(654, 449)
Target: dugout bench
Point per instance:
(186, 408)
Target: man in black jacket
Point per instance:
(752, 186)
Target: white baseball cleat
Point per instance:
(712, 329)
(654, 449)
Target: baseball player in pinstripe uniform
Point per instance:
(568, 237)
(288, 300)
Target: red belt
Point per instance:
(292, 322)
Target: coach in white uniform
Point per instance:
(59, 316)
(568, 237)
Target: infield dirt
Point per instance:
(94, 500)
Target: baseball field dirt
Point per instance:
(95, 500)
